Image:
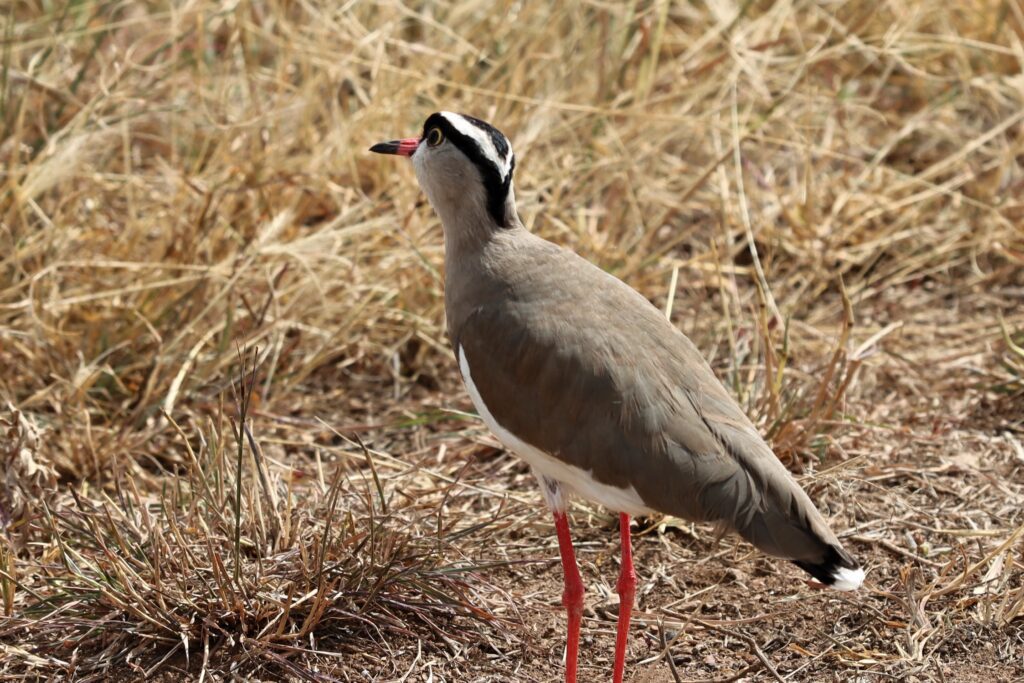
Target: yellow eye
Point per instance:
(435, 137)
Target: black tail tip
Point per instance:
(838, 570)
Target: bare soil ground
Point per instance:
(235, 445)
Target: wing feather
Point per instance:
(616, 390)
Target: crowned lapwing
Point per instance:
(586, 380)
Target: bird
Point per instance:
(586, 380)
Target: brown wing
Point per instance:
(659, 421)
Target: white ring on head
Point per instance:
(502, 163)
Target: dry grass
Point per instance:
(829, 198)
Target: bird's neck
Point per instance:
(468, 227)
(469, 239)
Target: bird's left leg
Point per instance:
(626, 588)
(572, 597)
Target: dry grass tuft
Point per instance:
(827, 198)
(214, 562)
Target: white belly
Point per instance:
(576, 480)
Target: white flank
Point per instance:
(847, 579)
(555, 495)
(577, 480)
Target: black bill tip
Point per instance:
(386, 147)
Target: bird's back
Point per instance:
(580, 366)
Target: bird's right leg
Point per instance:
(627, 589)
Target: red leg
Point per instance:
(572, 598)
(626, 588)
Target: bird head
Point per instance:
(464, 166)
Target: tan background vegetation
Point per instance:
(827, 197)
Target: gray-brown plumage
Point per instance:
(579, 366)
(554, 346)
